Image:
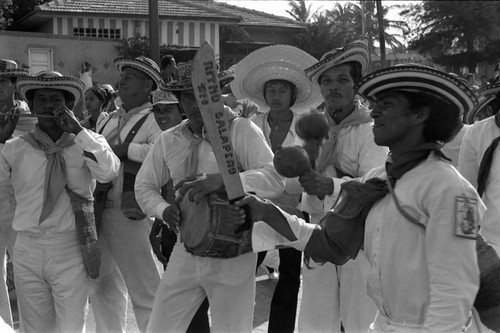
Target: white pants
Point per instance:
(51, 282)
(108, 295)
(7, 238)
(332, 295)
(129, 247)
(229, 285)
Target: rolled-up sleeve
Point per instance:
(256, 158)
(103, 164)
(150, 178)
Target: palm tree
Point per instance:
(299, 11)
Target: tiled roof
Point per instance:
(167, 8)
(253, 17)
(199, 9)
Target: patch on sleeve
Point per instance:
(466, 217)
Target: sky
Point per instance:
(279, 7)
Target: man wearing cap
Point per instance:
(479, 162)
(274, 78)
(9, 72)
(130, 131)
(333, 296)
(228, 282)
(416, 218)
(53, 170)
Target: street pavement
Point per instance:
(264, 293)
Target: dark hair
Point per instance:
(443, 120)
(292, 86)
(101, 93)
(166, 60)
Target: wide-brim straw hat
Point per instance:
(419, 79)
(9, 68)
(50, 80)
(143, 64)
(276, 62)
(183, 81)
(354, 52)
(485, 95)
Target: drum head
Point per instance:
(195, 223)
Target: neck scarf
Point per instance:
(360, 115)
(345, 225)
(487, 160)
(191, 162)
(55, 173)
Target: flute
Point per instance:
(30, 115)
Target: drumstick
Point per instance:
(30, 115)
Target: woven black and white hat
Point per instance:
(354, 52)
(184, 82)
(50, 80)
(276, 62)
(9, 68)
(143, 64)
(485, 95)
(421, 79)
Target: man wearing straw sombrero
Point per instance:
(183, 154)
(479, 163)
(416, 217)
(334, 296)
(53, 170)
(273, 77)
(479, 160)
(9, 72)
(128, 263)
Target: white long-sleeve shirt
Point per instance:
(166, 161)
(477, 139)
(138, 148)
(26, 166)
(289, 198)
(421, 279)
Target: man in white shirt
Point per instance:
(273, 77)
(228, 282)
(336, 295)
(416, 218)
(128, 263)
(53, 170)
(473, 160)
(9, 72)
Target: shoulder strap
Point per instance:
(485, 166)
(135, 129)
(401, 209)
(107, 121)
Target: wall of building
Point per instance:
(68, 52)
(171, 32)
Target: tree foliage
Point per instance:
(11, 11)
(299, 11)
(456, 34)
(134, 46)
(342, 24)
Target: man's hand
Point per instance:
(66, 120)
(120, 150)
(8, 124)
(254, 206)
(155, 240)
(172, 217)
(316, 184)
(197, 187)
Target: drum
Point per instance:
(207, 230)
